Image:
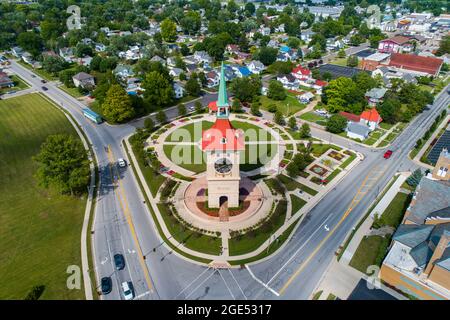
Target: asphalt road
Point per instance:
(124, 225)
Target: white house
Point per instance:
(178, 89)
(306, 97)
(256, 66)
(84, 80)
(357, 131)
(288, 81)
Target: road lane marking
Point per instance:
(231, 293)
(127, 214)
(195, 289)
(260, 282)
(237, 284)
(192, 282)
(352, 205)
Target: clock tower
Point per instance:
(222, 144)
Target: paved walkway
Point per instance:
(384, 136)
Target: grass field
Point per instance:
(297, 204)
(288, 106)
(371, 251)
(39, 229)
(72, 91)
(311, 116)
(393, 214)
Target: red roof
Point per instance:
(397, 39)
(350, 116)
(321, 83)
(417, 63)
(300, 69)
(212, 106)
(371, 115)
(222, 136)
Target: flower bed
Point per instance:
(336, 155)
(318, 170)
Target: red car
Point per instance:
(387, 154)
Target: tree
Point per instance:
(272, 108)
(278, 117)
(82, 50)
(182, 109)
(292, 123)
(388, 110)
(65, 76)
(193, 87)
(299, 162)
(198, 107)
(444, 46)
(149, 124)
(161, 117)
(63, 164)
(341, 53)
(414, 179)
(336, 123)
(254, 109)
(249, 8)
(31, 42)
(236, 106)
(305, 131)
(117, 105)
(276, 90)
(246, 89)
(184, 50)
(352, 61)
(267, 55)
(191, 22)
(158, 89)
(168, 30)
(342, 94)
(53, 64)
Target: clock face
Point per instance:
(223, 165)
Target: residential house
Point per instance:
(395, 44)
(371, 118)
(243, 72)
(67, 54)
(387, 74)
(171, 61)
(301, 73)
(123, 71)
(232, 49)
(256, 66)
(17, 51)
(289, 81)
(178, 90)
(375, 96)
(85, 61)
(420, 66)
(229, 73)
(307, 35)
(5, 80)
(306, 97)
(212, 78)
(265, 31)
(279, 28)
(83, 80)
(357, 130)
(318, 85)
(175, 72)
(133, 86)
(100, 47)
(273, 43)
(202, 57)
(158, 59)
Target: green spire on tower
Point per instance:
(222, 101)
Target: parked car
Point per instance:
(119, 261)
(44, 88)
(122, 163)
(43, 81)
(387, 154)
(127, 291)
(106, 285)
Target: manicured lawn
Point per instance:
(19, 84)
(386, 126)
(39, 228)
(272, 247)
(297, 203)
(312, 117)
(72, 91)
(383, 143)
(291, 185)
(371, 251)
(288, 106)
(190, 133)
(247, 243)
(393, 214)
(191, 239)
(252, 132)
(348, 161)
(333, 175)
(340, 62)
(319, 149)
